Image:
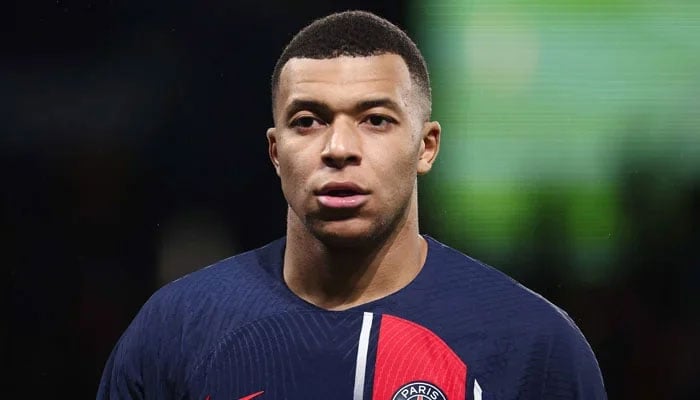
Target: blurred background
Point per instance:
(133, 151)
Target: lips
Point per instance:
(341, 195)
(340, 189)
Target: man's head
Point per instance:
(357, 34)
(351, 130)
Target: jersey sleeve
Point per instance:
(139, 366)
(122, 377)
(571, 369)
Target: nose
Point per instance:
(343, 146)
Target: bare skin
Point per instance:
(348, 144)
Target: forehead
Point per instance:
(345, 78)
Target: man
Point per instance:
(353, 303)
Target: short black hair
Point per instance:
(355, 34)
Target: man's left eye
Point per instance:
(379, 120)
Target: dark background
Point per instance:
(134, 132)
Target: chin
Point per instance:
(345, 234)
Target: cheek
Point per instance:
(404, 162)
(294, 171)
(398, 172)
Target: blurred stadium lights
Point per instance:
(547, 108)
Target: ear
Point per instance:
(429, 147)
(272, 149)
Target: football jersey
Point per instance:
(460, 330)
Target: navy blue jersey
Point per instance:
(459, 330)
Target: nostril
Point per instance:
(340, 161)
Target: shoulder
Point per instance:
(491, 303)
(204, 304)
(182, 320)
(507, 321)
(248, 272)
(491, 292)
(226, 284)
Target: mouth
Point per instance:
(341, 195)
(341, 189)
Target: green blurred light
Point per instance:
(551, 104)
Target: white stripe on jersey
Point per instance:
(477, 390)
(361, 365)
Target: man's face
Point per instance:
(348, 143)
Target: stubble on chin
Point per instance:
(332, 234)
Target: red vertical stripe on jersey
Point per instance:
(408, 352)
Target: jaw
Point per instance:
(337, 230)
(344, 233)
(354, 229)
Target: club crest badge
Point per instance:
(419, 391)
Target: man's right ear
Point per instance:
(272, 149)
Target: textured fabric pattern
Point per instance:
(234, 329)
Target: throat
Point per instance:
(342, 279)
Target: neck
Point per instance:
(337, 278)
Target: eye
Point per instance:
(306, 123)
(381, 122)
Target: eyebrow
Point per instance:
(382, 102)
(324, 109)
(297, 105)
